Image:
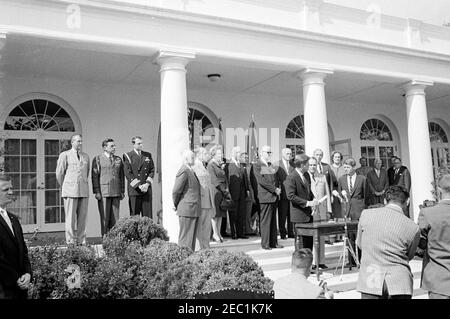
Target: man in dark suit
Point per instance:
(139, 170)
(284, 168)
(249, 200)
(298, 190)
(187, 199)
(377, 182)
(353, 188)
(400, 176)
(239, 191)
(363, 169)
(435, 232)
(108, 184)
(268, 192)
(15, 267)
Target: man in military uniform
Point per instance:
(108, 183)
(72, 173)
(139, 170)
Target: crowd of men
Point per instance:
(261, 197)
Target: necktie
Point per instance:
(312, 175)
(350, 186)
(320, 168)
(111, 160)
(78, 155)
(7, 220)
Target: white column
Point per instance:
(315, 111)
(174, 128)
(421, 166)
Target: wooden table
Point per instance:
(318, 229)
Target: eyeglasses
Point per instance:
(267, 152)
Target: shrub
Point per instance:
(141, 230)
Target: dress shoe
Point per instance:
(234, 237)
(283, 237)
(243, 237)
(291, 236)
(350, 265)
(226, 235)
(323, 266)
(313, 267)
(266, 247)
(278, 246)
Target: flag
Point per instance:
(220, 133)
(252, 149)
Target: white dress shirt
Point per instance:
(351, 181)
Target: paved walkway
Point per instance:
(276, 263)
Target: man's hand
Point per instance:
(335, 193)
(312, 203)
(98, 196)
(24, 281)
(122, 196)
(143, 187)
(278, 191)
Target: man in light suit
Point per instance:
(108, 184)
(296, 284)
(324, 168)
(187, 201)
(139, 170)
(239, 193)
(435, 239)
(353, 189)
(298, 190)
(388, 240)
(284, 168)
(15, 267)
(72, 173)
(268, 192)
(377, 182)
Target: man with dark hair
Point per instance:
(284, 168)
(296, 284)
(15, 267)
(108, 183)
(72, 173)
(298, 190)
(353, 189)
(364, 169)
(388, 240)
(435, 232)
(399, 175)
(139, 170)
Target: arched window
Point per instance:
(377, 142)
(439, 145)
(33, 115)
(201, 130)
(37, 129)
(295, 134)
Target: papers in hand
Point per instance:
(134, 182)
(323, 199)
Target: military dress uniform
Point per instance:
(139, 170)
(108, 180)
(72, 173)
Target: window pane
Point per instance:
(28, 215)
(50, 163)
(12, 147)
(27, 199)
(28, 164)
(28, 181)
(52, 198)
(12, 164)
(50, 181)
(51, 147)
(28, 147)
(15, 180)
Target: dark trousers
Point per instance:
(237, 218)
(268, 224)
(108, 208)
(141, 204)
(223, 227)
(351, 241)
(385, 295)
(284, 218)
(303, 241)
(188, 231)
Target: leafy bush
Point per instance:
(141, 230)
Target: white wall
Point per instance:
(122, 111)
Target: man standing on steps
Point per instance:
(139, 170)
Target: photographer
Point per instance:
(435, 233)
(388, 240)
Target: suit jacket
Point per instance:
(282, 173)
(357, 199)
(186, 193)
(295, 286)
(140, 168)
(247, 170)
(299, 194)
(434, 228)
(363, 170)
(238, 185)
(206, 188)
(388, 241)
(267, 182)
(14, 261)
(73, 174)
(375, 183)
(402, 178)
(108, 177)
(328, 173)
